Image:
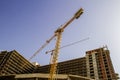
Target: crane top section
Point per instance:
(76, 16)
(59, 30)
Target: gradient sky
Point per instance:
(25, 25)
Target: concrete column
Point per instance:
(87, 65)
(36, 78)
(68, 78)
(95, 66)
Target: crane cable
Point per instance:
(75, 42)
(69, 44)
(41, 48)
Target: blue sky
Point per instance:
(25, 25)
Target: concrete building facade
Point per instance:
(39, 76)
(96, 64)
(13, 63)
(99, 64)
(74, 66)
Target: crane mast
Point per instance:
(58, 34)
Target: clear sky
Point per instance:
(25, 25)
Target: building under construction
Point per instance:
(99, 65)
(14, 63)
(75, 67)
(95, 65)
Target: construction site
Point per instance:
(95, 65)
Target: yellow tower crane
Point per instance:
(58, 34)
